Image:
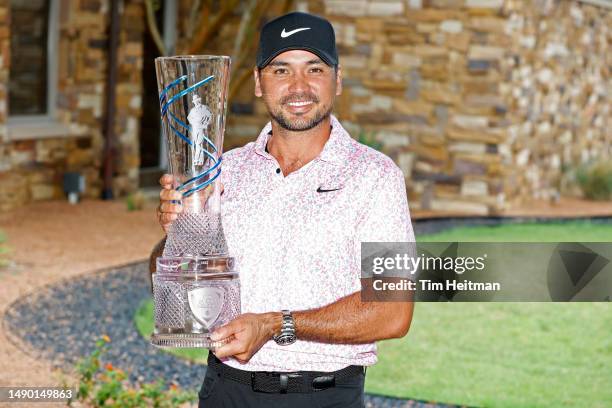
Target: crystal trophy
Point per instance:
(195, 286)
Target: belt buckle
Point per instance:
(323, 382)
(283, 380)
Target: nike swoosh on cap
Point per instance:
(286, 34)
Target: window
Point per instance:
(32, 73)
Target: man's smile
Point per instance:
(299, 107)
(299, 103)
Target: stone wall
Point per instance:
(129, 97)
(558, 91)
(33, 166)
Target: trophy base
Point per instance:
(193, 296)
(185, 340)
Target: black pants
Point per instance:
(218, 392)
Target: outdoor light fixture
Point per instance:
(74, 185)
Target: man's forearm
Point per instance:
(351, 321)
(346, 321)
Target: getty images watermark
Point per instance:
(469, 271)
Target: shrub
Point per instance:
(107, 386)
(4, 251)
(369, 139)
(595, 180)
(135, 201)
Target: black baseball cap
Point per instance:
(297, 31)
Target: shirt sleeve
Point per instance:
(386, 216)
(386, 219)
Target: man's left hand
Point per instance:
(246, 334)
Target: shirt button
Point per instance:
(278, 170)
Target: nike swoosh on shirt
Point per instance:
(286, 34)
(324, 190)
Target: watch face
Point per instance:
(285, 339)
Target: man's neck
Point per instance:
(294, 149)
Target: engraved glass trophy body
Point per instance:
(195, 286)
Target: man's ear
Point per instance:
(258, 92)
(339, 81)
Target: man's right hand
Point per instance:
(169, 202)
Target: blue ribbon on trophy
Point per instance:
(199, 117)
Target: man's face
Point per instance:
(298, 89)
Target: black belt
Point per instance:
(281, 382)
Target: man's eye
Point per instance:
(317, 70)
(280, 71)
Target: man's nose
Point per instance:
(299, 83)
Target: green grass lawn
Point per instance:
(497, 354)
(501, 355)
(575, 231)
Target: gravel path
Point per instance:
(62, 322)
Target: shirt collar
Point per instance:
(336, 149)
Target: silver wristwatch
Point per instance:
(287, 332)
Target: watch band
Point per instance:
(287, 333)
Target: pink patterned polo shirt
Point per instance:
(296, 239)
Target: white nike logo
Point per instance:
(286, 34)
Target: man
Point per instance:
(296, 205)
